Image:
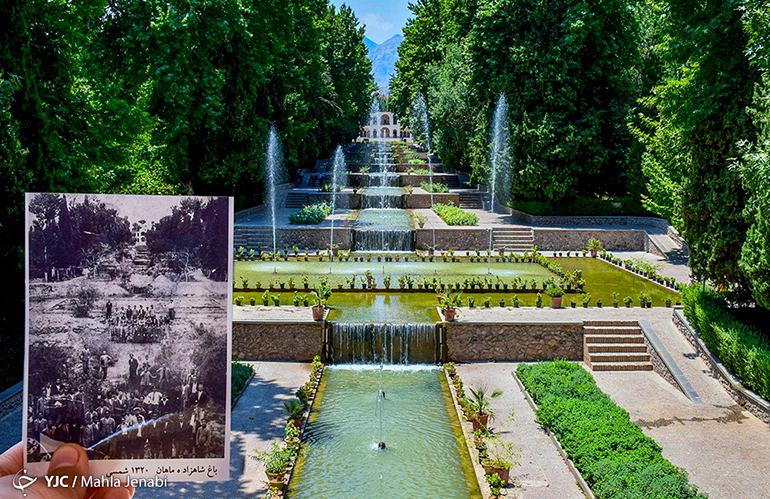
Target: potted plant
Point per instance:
(252, 301)
(556, 293)
(238, 300)
(594, 246)
(448, 303)
(296, 410)
(481, 401)
(321, 296)
(515, 301)
(503, 456)
(573, 304)
(420, 219)
(472, 302)
(502, 302)
(305, 280)
(487, 299)
(276, 459)
(599, 303)
(615, 299)
(586, 299)
(265, 297)
(296, 299)
(386, 281)
(668, 302)
(276, 300)
(495, 484)
(628, 300)
(539, 301)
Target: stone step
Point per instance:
(616, 347)
(612, 329)
(622, 366)
(619, 357)
(295, 200)
(610, 323)
(592, 339)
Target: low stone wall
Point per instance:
(313, 238)
(514, 341)
(467, 238)
(415, 180)
(571, 221)
(422, 200)
(277, 341)
(744, 397)
(575, 239)
(345, 200)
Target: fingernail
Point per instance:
(117, 493)
(64, 457)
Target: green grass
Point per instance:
(617, 460)
(311, 214)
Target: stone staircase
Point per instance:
(142, 258)
(471, 201)
(615, 346)
(516, 239)
(295, 199)
(253, 236)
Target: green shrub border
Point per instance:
(743, 349)
(616, 459)
(240, 376)
(454, 215)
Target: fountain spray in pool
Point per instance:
(273, 174)
(420, 110)
(499, 145)
(338, 173)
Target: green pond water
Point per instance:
(395, 306)
(425, 455)
(390, 218)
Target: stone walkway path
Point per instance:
(543, 474)
(258, 419)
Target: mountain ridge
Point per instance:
(384, 57)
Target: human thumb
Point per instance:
(69, 463)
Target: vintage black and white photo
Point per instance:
(128, 332)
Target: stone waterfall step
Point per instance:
(295, 200)
(516, 239)
(615, 346)
(253, 237)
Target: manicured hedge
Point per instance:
(617, 460)
(435, 187)
(311, 214)
(453, 215)
(240, 375)
(625, 206)
(743, 349)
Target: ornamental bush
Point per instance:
(743, 348)
(311, 214)
(453, 215)
(436, 187)
(611, 452)
(240, 375)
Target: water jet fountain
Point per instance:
(274, 172)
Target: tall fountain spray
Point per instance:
(338, 175)
(420, 111)
(273, 174)
(499, 144)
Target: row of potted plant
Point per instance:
(279, 458)
(495, 456)
(642, 268)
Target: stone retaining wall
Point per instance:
(742, 395)
(575, 239)
(344, 200)
(422, 200)
(415, 180)
(313, 238)
(277, 341)
(459, 239)
(570, 221)
(514, 341)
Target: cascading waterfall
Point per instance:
(499, 147)
(383, 344)
(380, 240)
(274, 170)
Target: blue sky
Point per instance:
(383, 19)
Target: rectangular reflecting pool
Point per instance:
(425, 453)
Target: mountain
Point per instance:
(369, 43)
(384, 57)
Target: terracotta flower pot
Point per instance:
(480, 421)
(318, 313)
(449, 314)
(556, 301)
(503, 473)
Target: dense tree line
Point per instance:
(167, 97)
(660, 101)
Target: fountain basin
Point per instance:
(425, 456)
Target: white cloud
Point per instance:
(375, 23)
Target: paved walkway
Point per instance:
(258, 419)
(543, 474)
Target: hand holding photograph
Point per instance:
(128, 333)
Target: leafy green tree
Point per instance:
(700, 119)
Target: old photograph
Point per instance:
(128, 332)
